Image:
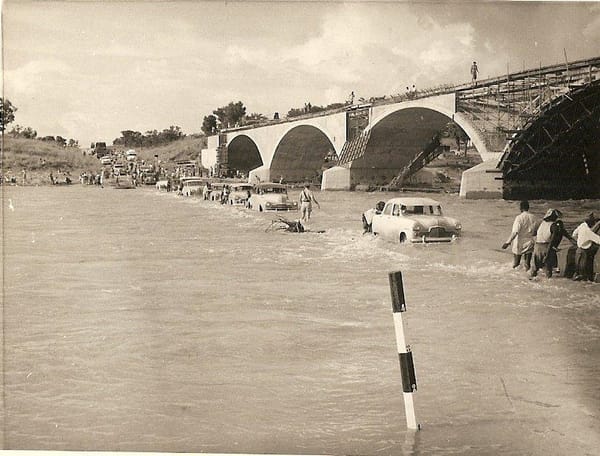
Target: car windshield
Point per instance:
(420, 210)
(273, 190)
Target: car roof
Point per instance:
(241, 184)
(193, 179)
(270, 185)
(414, 201)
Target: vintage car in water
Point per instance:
(148, 178)
(269, 196)
(130, 155)
(415, 220)
(162, 184)
(239, 194)
(119, 169)
(106, 160)
(192, 185)
(216, 191)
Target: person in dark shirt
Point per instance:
(549, 235)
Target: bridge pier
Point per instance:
(483, 181)
(336, 178)
(260, 174)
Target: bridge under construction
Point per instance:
(537, 132)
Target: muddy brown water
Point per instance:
(142, 321)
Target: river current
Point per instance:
(135, 320)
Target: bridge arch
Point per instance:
(448, 110)
(301, 154)
(243, 155)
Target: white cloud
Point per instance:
(26, 80)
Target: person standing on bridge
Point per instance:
(521, 238)
(306, 200)
(474, 73)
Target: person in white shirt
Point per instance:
(587, 246)
(521, 237)
(367, 217)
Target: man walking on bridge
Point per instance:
(474, 72)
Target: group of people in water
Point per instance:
(536, 242)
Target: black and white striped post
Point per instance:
(407, 368)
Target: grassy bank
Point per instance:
(183, 149)
(39, 158)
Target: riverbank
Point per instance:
(37, 159)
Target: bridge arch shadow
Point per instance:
(301, 155)
(243, 155)
(394, 141)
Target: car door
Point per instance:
(384, 221)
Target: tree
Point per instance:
(173, 133)
(295, 112)
(254, 118)
(7, 113)
(61, 141)
(16, 131)
(29, 133)
(231, 114)
(209, 125)
(129, 138)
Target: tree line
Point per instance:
(131, 138)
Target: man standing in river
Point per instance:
(306, 200)
(521, 237)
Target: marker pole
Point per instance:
(407, 368)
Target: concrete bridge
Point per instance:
(520, 124)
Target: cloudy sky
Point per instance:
(87, 70)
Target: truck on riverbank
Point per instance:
(100, 149)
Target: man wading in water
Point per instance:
(306, 200)
(521, 237)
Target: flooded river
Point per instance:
(142, 321)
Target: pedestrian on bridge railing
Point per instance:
(474, 73)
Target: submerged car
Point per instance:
(192, 185)
(216, 191)
(415, 220)
(148, 178)
(239, 194)
(270, 196)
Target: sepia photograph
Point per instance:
(300, 227)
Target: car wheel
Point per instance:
(260, 208)
(402, 238)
